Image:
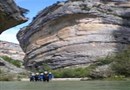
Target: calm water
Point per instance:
(66, 85)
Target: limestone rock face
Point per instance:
(11, 50)
(76, 32)
(8, 67)
(10, 15)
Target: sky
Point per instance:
(34, 6)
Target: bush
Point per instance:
(5, 76)
(72, 73)
(121, 64)
(105, 61)
(0, 71)
(116, 77)
(46, 67)
(12, 61)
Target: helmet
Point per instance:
(37, 73)
(41, 74)
(49, 72)
(45, 72)
(32, 74)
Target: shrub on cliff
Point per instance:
(105, 61)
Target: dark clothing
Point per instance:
(36, 77)
(41, 77)
(46, 77)
(32, 78)
(50, 76)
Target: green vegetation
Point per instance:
(72, 72)
(46, 67)
(17, 63)
(5, 76)
(116, 77)
(121, 64)
(119, 68)
(104, 61)
(21, 75)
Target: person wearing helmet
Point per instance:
(50, 76)
(41, 77)
(32, 77)
(37, 77)
(46, 76)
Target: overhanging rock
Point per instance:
(10, 15)
(76, 32)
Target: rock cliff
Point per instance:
(11, 50)
(10, 14)
(10, 68)
(76, 32)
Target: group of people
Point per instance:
(46, 76)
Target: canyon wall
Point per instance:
(76, 32)
(11, 50)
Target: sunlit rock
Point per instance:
(76, 32)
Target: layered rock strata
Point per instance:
(9, 68)
(10, 14)
(76, 32)
(11, 50)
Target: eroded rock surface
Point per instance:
(8, 67)
(76, 32)
(10, 15)
(11, 50)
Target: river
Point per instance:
(66, 85)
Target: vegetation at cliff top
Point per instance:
(12, 61)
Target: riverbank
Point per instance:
(84, 79)
(58, 79)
